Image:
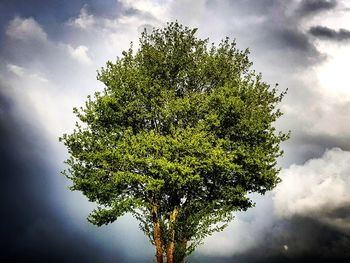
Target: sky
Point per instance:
(49, 54)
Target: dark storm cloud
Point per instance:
(297, 41)
(311, 7)
(294, 240)
(248, 7)
(318, 143)
(300, 239)
(340, 216)
(31, 228)
(272, 30)
(327, 33)
(297, 240)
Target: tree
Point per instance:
(182, 132)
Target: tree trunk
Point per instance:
(183, 248)
(171, 238)
(157, 235)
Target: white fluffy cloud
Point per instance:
(84, 20)
(314, 187)
(43, 86)
(25, 28)
(24, 73)
(17, 70)
(333, 75)
(80, 53)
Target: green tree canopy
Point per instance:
(182, 132)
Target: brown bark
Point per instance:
(157, 235)
(183, 247)
(171, 238)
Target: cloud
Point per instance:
(156, 9)
(108, 35)
(24, 73)
(311, 7)
(308, 240)
(84, 20)
(80, 54)
(25, 29)
(17, 70)
(320, 188)
(296, 40)
(327, 33)
(307, 221)
(269, 28)
(308, 214)
(39, 77)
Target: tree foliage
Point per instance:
(182, 132)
